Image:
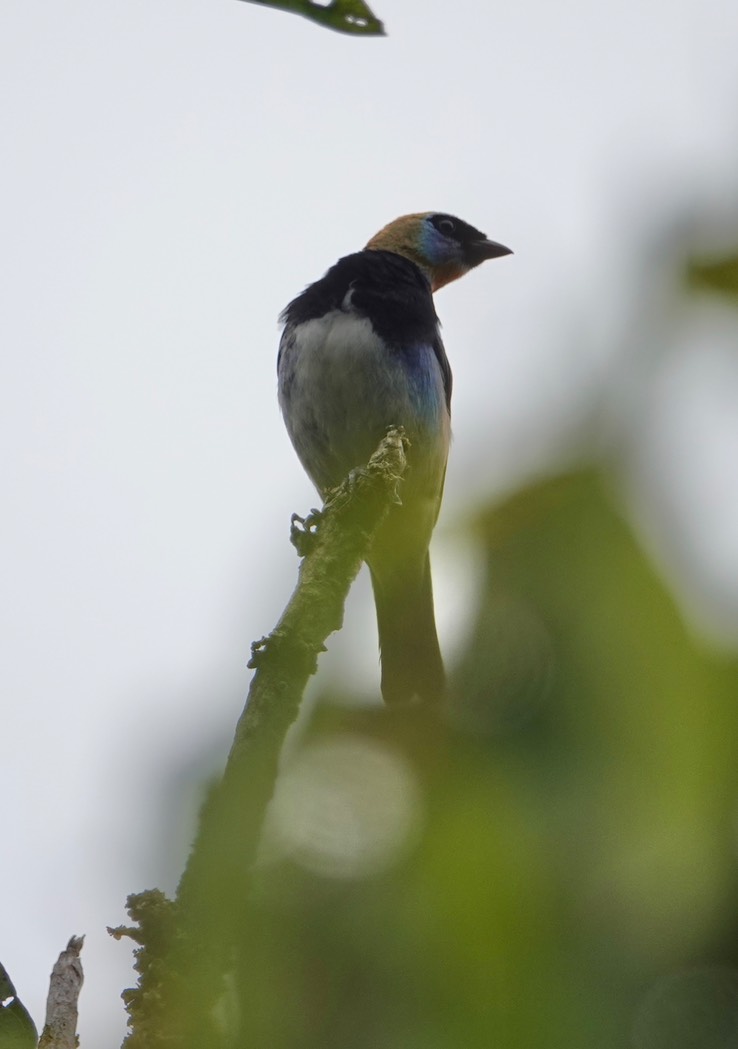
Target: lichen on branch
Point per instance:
(185, 946)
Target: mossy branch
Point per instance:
(335, 543)
(182, 963)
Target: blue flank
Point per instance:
(425, 390)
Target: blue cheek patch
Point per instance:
(434, 247)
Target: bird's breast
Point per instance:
(341, 385)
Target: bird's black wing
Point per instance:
(388, 289)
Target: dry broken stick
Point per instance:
(60, 1029)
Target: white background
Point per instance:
(171, 175)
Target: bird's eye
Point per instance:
(446, 227)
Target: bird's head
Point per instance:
(444, 247)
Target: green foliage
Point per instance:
(345, 16)
(715, 274)
(552, 864)
(576, 840)
(17, 1029)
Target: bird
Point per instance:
(361, 351)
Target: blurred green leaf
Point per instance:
(345, 16)
(578, 837)
(17, 1029)
(567, 869)
(717, 274)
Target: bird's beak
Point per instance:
(490, 249)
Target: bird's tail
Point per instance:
(412, 666)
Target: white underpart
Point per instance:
(345, 386)
(345, 377)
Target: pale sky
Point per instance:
(174, 173)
